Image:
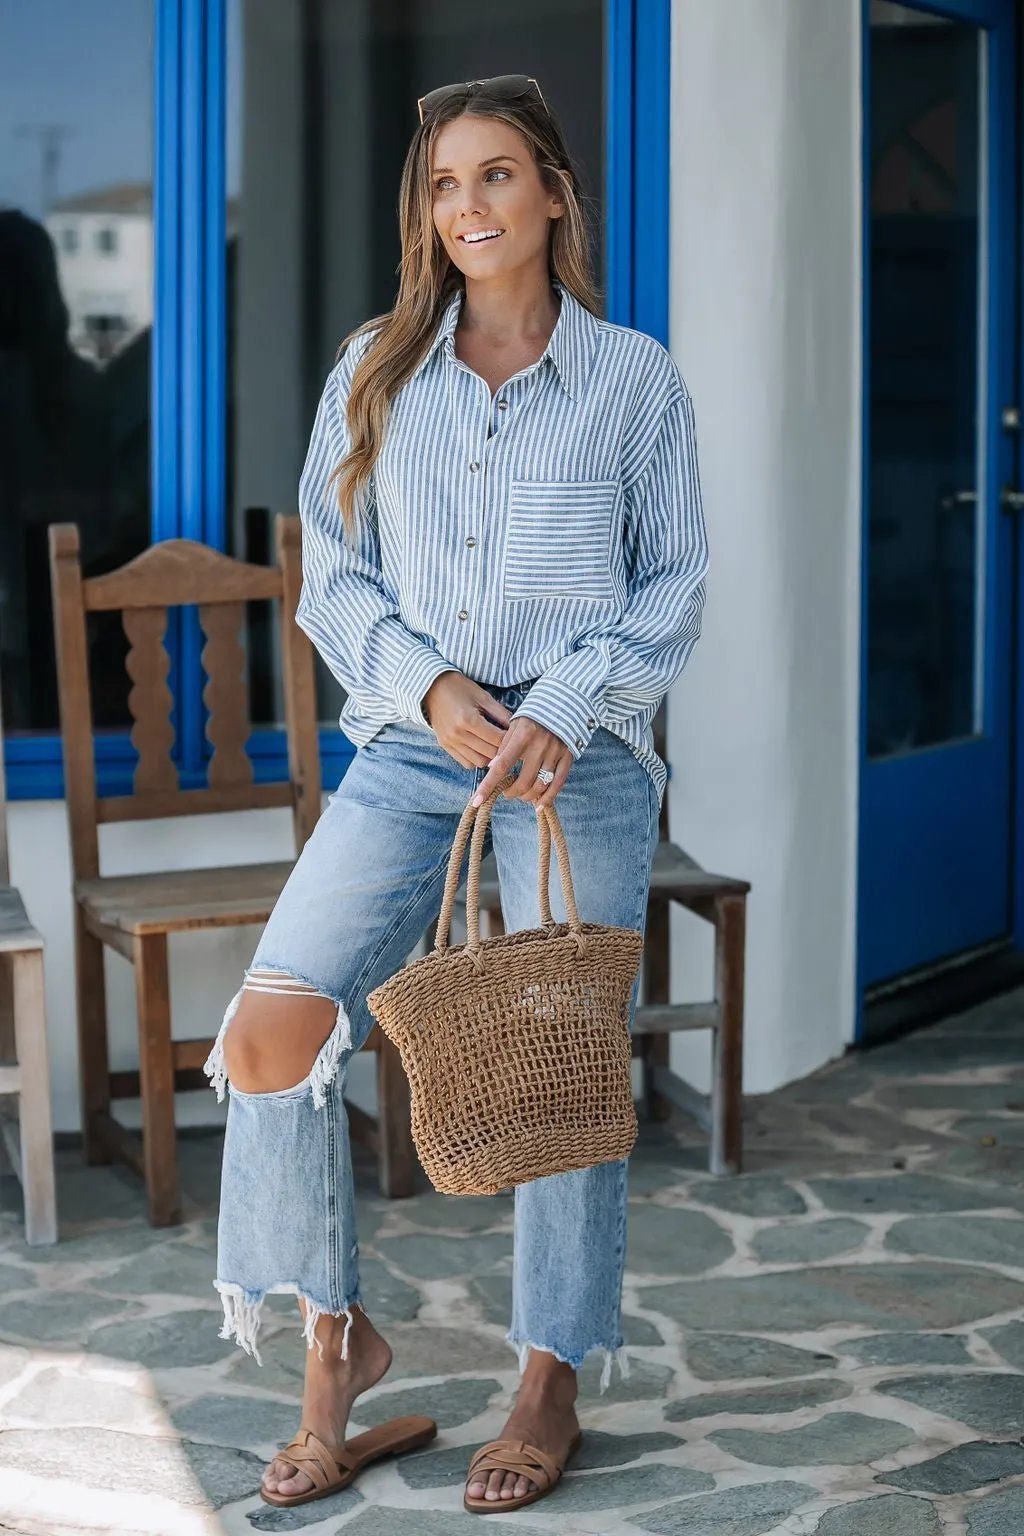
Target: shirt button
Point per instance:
(463, 614)
(502, 405)
(579, 742)
(591, 724)
(474, 467)
(471, 543)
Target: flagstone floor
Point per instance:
(833, 1343)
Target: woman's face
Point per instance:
(485, 182)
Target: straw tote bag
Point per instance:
(517, 1047)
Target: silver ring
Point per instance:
(545, 776)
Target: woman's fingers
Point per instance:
(561, 774)
(515, 744)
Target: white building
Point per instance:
(104, 244)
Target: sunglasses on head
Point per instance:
(499, 88)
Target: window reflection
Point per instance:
(76, 305)
(926, 336)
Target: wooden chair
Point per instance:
(29, 1144)
(133, 914)
(721, 901)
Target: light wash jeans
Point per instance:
(366, 886)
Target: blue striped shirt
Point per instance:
(551, 532)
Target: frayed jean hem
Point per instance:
(243, 1315)
(616, 1355)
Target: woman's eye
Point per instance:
(445, 183)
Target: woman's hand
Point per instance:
(458, 710)
(539, 748)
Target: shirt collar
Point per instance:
(571, 347)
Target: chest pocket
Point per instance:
(560, 538)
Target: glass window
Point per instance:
(321, 108)
(75, 129)
(106, 240)
(926, 401)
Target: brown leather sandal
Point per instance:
(331, 1471)
(524, 1461)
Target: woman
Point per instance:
(504, 562)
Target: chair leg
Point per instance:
(657, 989)
(727, 1071)
(93, 1058)
(397, 1160)
(156, 1073)
(34, 1115)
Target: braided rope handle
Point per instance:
(474, 822)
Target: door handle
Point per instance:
(958, 499)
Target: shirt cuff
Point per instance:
(562, 709)
(412, 682)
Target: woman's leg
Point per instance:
(570, 1230)
(361, 894)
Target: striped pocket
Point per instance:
(560, 538)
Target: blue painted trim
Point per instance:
(192, 343)
(619, 158)
(36, 771)
(215, 266)
(651, 180)
(165, 385)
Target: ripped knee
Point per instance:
(278, 1032)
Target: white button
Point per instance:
(463, 614)
(474, 467)
(502, 405)
(579, 743)
(471, 543)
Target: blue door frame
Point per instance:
(904, 887)
(189, 376)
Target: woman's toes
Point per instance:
(275, 1473)
(523, 1486)
(297, 1483)
(477, 1489)
(495, 1483)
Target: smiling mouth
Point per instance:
(480, 237)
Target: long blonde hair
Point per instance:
(428, 279)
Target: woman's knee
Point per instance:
(275, 1037)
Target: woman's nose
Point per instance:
(473, 205)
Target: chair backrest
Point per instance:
(174, 574)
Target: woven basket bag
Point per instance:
(517, 1047)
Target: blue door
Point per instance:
(936, 804)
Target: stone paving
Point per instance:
(833, 1343)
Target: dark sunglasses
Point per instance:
(499, 87)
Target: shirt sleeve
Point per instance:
(613, 674)
(345, 607)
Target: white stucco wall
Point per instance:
(765, 324)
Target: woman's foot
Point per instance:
(332, 1386)
(544, 1416)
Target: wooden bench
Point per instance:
(134, 914)
(24, 1059)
